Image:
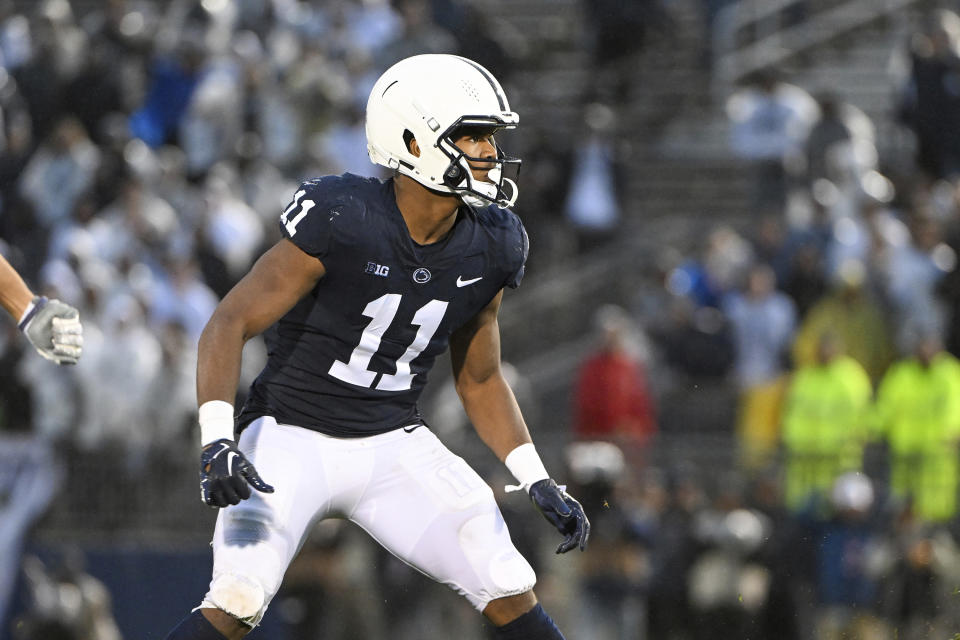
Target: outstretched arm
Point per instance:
(51, 326)
(281, 276)
(15, 295)
(493, 410)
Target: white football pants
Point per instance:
(406, 489)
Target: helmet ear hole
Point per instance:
(408, 137)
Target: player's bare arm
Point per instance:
(486, 396)
(281, 276)
(51, 326)
(493, 410)
(15, 296)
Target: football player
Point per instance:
(51, 326)
(373, 280)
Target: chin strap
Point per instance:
(482, 194)
(514, 191)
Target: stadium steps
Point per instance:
(692, 147)
(682, 174)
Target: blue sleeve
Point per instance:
(517, 251)
(308, 221)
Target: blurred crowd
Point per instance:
(822, 331)
(147, 148)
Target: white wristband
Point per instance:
(526, 466)
(26, 312)
(216, 421)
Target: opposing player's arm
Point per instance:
(493, 410)
(15, 295)
(281, 276)
(51, 326)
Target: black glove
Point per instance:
(563, 512)
(226, 475)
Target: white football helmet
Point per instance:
(431, 96)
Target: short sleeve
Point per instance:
(518, 250)
(307, 221)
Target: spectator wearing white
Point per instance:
(118, 382)
(172, 396)
(770, 120)
(868, 237)
(60, 171)
(911, 275)
(182, 297)
(233, 229)
(362, 26)
(592, 204)
(213, 121)
(342, 147)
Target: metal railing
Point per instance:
(755, 34)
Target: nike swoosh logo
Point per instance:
(462, 283)
(413, 428)
(230, 461)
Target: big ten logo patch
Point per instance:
(375, 269)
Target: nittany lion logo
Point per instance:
(421, 275)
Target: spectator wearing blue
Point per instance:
(173, 79)
(763, 320)
(851, 561)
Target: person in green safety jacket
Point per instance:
(824, 423)
(918, 413)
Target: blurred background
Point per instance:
(736, 341)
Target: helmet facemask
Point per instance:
(458, 177)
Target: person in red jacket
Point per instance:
(612, 400)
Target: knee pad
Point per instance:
(499, 566)
(240, 596)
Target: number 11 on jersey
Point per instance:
(381, 313)
(305, 206)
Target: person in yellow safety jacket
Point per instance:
(824, 423)
(850, 311)
(918, 413)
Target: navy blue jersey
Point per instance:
(351, 358)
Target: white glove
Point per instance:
(54, 330)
